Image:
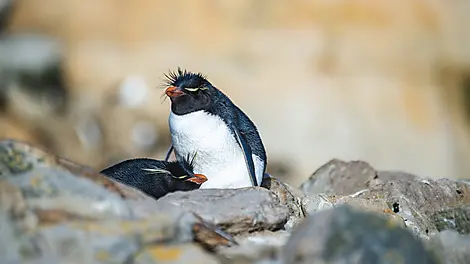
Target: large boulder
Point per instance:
(343, 235)
(234, 210)
(425, 206)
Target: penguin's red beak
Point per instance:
(173, 92)
(198, 179)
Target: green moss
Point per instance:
(14, 160)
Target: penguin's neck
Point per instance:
(219, 157)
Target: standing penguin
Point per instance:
(156, 178)
(230, 152)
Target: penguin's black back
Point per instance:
(233, 115)
(133, 172)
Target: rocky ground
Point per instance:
(56, 211)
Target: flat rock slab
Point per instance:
(234, 210)
(343, 235)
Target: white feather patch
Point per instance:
(219, 157)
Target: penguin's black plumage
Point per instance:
(231, 153)
(156, 178)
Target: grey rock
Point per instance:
(289, 196)
(29, 53)
(47, 186)
(457, 219)
(316, 202)
(259, 247)
(234, 210)
(55, 211)
(374, 206)
(419, 202)
(451, 247)
(340, 178)
(6, 7)
(344, 178)
(344, 235)
(31, 74)
(425, 206)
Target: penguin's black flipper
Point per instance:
(247, 153)
(168, 153)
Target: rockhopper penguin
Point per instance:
(156, 178)
(229, 149)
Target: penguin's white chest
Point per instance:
(219, 157)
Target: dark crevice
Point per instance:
(396, 207)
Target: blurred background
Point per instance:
(387, 82)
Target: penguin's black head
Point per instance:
(184, 170)
(189, 92)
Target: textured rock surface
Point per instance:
(457, 219)
(342, 235)
(261, 247)
(397, 194)
(234, 210)
(55, 211)
(451, 247)
(315, 202)
(344, 178)
(288, 196)
(419, 202)
(339, 177)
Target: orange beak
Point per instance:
(173, 92)
(198, 178)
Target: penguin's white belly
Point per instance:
(219, 157)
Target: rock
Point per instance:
(344, 235)
(399, 195)
(315, 202)
(424, 205)
(258, 247)
(344, 178)
(32, 76)
(48, 185)
(374, 206)
(340, 178)
(5, 12)
(457, 219)
(288, 196)
(451, 247)
(56, 211)
(185, 253)
(234, 210)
